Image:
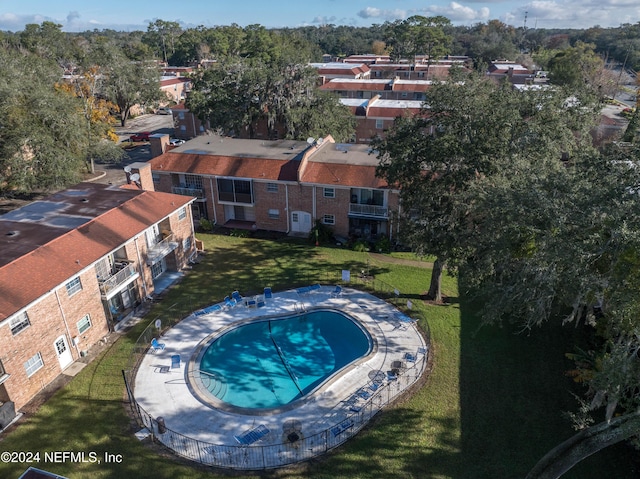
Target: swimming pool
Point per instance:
(270, 363)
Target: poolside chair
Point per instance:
(175, 361)
(336, 292)
(267, 293)
(249, 437)
(260, 303)
(156, 345)
(314, 287)
(251, 303)
(236, 295)
(229, 303)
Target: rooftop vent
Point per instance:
(11, 233)
(84, 200)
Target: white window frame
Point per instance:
(182, 213)
(84, 323)
(379, 124)
(33, 364)
(19, 323)
(274, 214)
(329, 220)
(329, 192)
(272, 187)
(186, 244)
(74, 286)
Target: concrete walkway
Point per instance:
(163, 391)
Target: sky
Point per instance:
(81, 15)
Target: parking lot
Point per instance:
(114, 173)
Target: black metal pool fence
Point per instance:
(296, 446)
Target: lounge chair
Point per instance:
(260, 303)
(343, 426)
(410, 357)
(175, 361)
(363, 394)
(156, 345)
(253, 435)
(336, 292)
(267, 293)
(314, 287)
(251, 302)
(236, 295)
(230, 303)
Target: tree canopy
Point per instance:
(236, 95)
(505, 187)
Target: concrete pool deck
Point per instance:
(163, 391)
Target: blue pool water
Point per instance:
(270, 363)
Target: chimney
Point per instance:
(159, 143)
(143, 178)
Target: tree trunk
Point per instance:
(587, 442)
(435, 288)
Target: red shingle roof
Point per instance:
(239, 167)
(34, 274)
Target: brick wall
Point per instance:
(55, 315)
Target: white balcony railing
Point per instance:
(181, 190)
(372, 211)
(161, 249)
(120, 277)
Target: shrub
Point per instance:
(360, 245)
(205, 225)
(321, 233)
(239, 233)
(383, 245)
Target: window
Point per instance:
(181, 115)
(234, 191)
(274, 214)
(19, 323)
(155, 177)
(182, 214)
(329, 192)
(329, 220)
(33, 364)
(272, 187)
(379, 124)
(193, 181)
(74, 286)
(84, 324)
(186, 244)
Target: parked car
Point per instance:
(176, 142)
(163, 110)
(143, 136)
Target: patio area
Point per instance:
(261, 439)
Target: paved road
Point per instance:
(114, 173)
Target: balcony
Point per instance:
(368, 211)
(186, 191)
(124, 273)
(161, 249)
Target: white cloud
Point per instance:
(458, 13)
(575, 13)
(373, 12)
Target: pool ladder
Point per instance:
(300, 308)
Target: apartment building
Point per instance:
(74, 264)
(281, 185)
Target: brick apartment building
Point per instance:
(281, 185)
(71, 266)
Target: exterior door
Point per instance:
(300, 222)
(63, 352)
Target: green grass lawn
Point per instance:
(492, 406)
